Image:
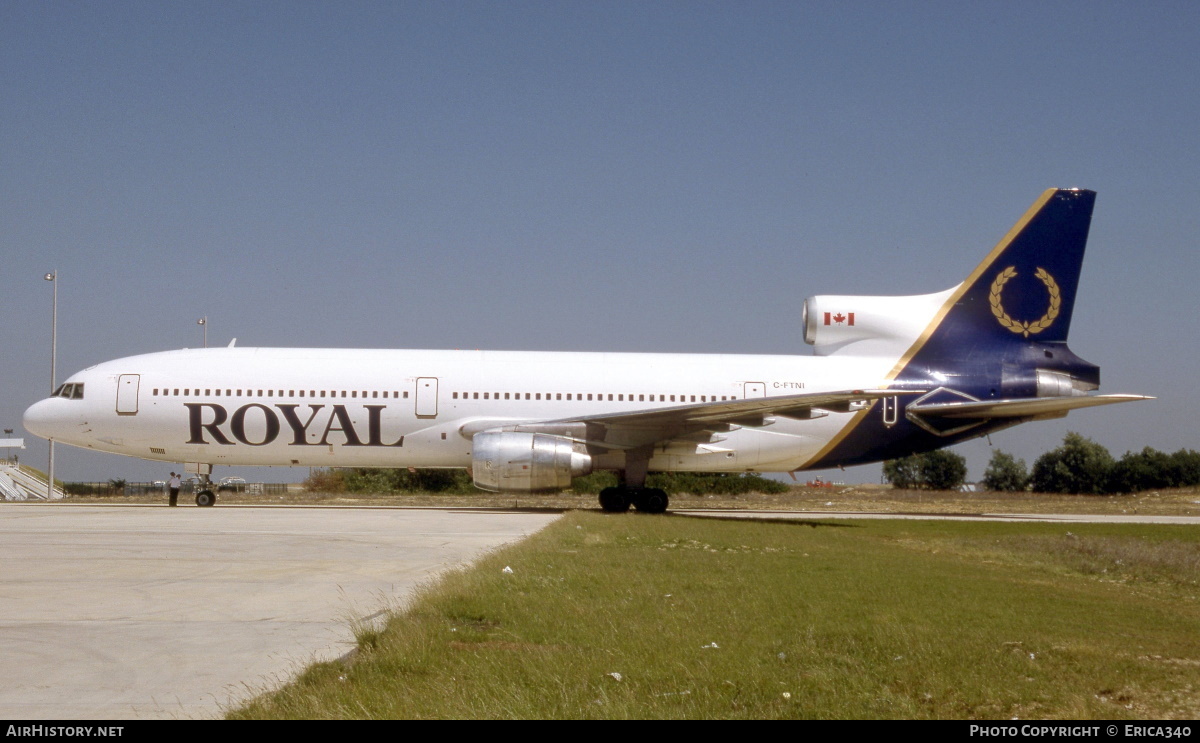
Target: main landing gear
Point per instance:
(646, 500)
(633, 491)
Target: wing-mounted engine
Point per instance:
(517, 462)
(868, 326)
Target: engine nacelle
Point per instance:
(874, 325)
(513, 462)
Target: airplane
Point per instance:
(889, 376)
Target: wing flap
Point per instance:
(628, 430)
(697, 422)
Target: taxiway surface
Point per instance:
(136, 612)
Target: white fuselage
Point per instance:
(391, 408)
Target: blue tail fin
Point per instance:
(1024, 291)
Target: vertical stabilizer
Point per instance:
(1024, 290)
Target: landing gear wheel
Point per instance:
(206, 498)
(651, 500)
(614, 500)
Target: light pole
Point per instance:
(204, 321)
(52, 277)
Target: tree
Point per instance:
(1151, 469)
(903, 473)
(934, 470)
(943, 470)
(1080, 465)
(1185, 468)
(1145, 470)
(1006, 473)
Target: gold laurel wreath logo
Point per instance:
(1016, 326)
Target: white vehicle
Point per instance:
(231, 484)
(890, 376)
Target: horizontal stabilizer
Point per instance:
(1027, 408)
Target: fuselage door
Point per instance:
(755, 389)
(427, 397)
(127, 394)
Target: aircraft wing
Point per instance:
(1048, 407)
(631, 429)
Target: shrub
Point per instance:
(696, 483)
(401, 480)
(1185, 468)
(933, 470)
(1146, 470)
(1080, 465)
(1006, 473)
(325, 481)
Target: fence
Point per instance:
(154, 488)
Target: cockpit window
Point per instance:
(70, 391)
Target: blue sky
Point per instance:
(626, 176)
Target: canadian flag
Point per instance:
(839, 318)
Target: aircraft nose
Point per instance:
(44, 418)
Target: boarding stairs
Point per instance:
(20, 483)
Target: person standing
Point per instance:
(174, 484)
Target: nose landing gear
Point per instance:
(205, 495)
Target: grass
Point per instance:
(676, 617)
(873, 498)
